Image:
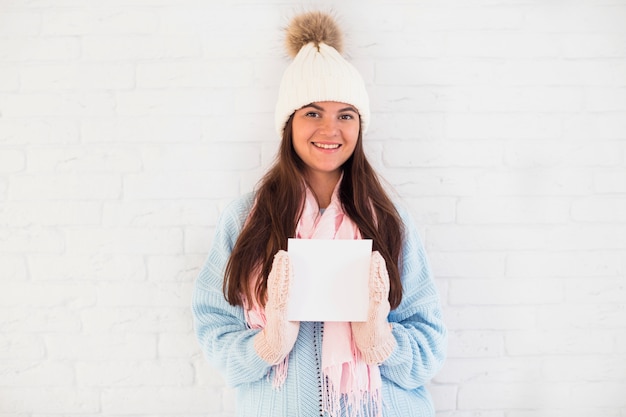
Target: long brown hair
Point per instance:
(278, 206)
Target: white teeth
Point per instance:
(326, 146)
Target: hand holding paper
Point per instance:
(374, 337)
(278, 336)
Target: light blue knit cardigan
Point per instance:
(228, 343)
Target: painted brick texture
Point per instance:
(126, 126)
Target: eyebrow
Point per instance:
(316, 107)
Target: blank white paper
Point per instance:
(330, 279)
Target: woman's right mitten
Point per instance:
(277, 338)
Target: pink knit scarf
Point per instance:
(345, 375)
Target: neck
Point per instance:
(323, 187)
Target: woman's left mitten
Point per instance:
(374, 337)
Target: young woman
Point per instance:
(321, 186)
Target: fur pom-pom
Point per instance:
(317, 27)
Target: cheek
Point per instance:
(298, 143)
(354, 134)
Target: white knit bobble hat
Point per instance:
(318, 72)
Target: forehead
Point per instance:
(330, 106)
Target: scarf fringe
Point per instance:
(356, 384)
(280, 373)
(358, 403)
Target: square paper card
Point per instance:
(330, 279)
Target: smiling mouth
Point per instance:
(326, 145)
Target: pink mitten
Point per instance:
(373, 337)
(278, 336)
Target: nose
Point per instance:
(329, 127)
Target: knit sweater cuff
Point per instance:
(380, 352)
(266, 351)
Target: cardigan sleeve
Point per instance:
(417, 322)
(221, 329)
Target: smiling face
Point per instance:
(324, 136)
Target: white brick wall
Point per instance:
(125, 126)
